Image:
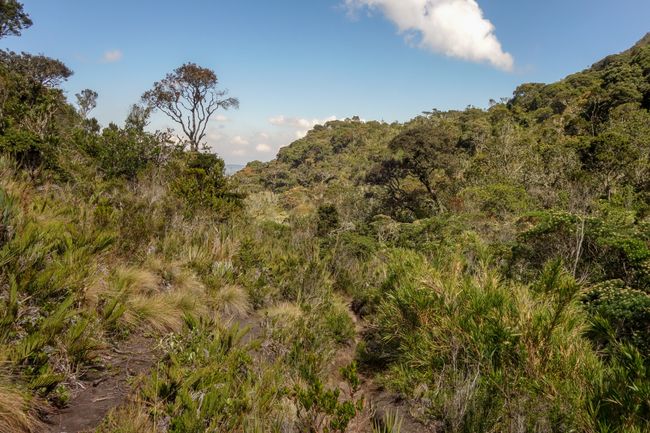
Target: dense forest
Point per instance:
(484, 270)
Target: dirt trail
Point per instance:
(101, 391)
(377, 401)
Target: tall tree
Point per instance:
(38, 69)
(430, 153)
(13, 18)
(189, 96)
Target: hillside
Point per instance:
(577, 106)
(467, 271)
(549, 189)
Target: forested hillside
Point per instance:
(467, 271)
(500, 257)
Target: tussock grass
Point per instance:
(487, 354)
(144, 296)
(232, 300)
(128, 419)
(17, 412)
(286, 311)
(134, 280)
(265, 206)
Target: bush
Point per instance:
(328, 220)
(121, 153)
(202, 183)
(626, 310)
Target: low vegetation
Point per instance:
(487, 269)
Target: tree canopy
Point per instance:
(13, 19)
(189, 96)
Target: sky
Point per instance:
(294, 64)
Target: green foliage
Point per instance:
(109, 231)
(626, 311)
(480, 350)
(328, 220)
(13, 19)
(498, 200)
(121, 153)
(391, 423)
(32, 109)
(319, 409)
(202, 183)
(622, 400)
(209, 383)
(603, 246)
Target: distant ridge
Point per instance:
(643, 41)
(233, 168)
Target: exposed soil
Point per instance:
(100, 390)
(377, 401)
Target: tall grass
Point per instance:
(18, 412)
(83, 263)
(480, 353)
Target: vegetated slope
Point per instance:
(338, 152)
(500, 257)
(498, 261)
(114, 235)
(577, 106)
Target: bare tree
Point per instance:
(189, 96)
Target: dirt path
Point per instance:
(101, 391)
(378, 402)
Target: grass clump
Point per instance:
(482, 354)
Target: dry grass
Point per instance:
(158, 296)
(285, 311)
(232, 300)
(264, 206)
(129, 419)
(134, 280)
(17, 413)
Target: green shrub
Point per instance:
(626, 310)
(328, 220)
(201, 183)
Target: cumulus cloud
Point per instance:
(298, 122)
(263, 147)
(456, 28)
(221, 118)
(301, 125)
(112, 56)
(239, 140)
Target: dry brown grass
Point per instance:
(128, 419)
(17, 412)
(232, 300)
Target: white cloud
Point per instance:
(221, 118)
(239, 140)
(263, 147)
(300, 125)
(455, 28)
(238, 152)
(112, 56)
(298, 122)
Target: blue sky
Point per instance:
(293, 63)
